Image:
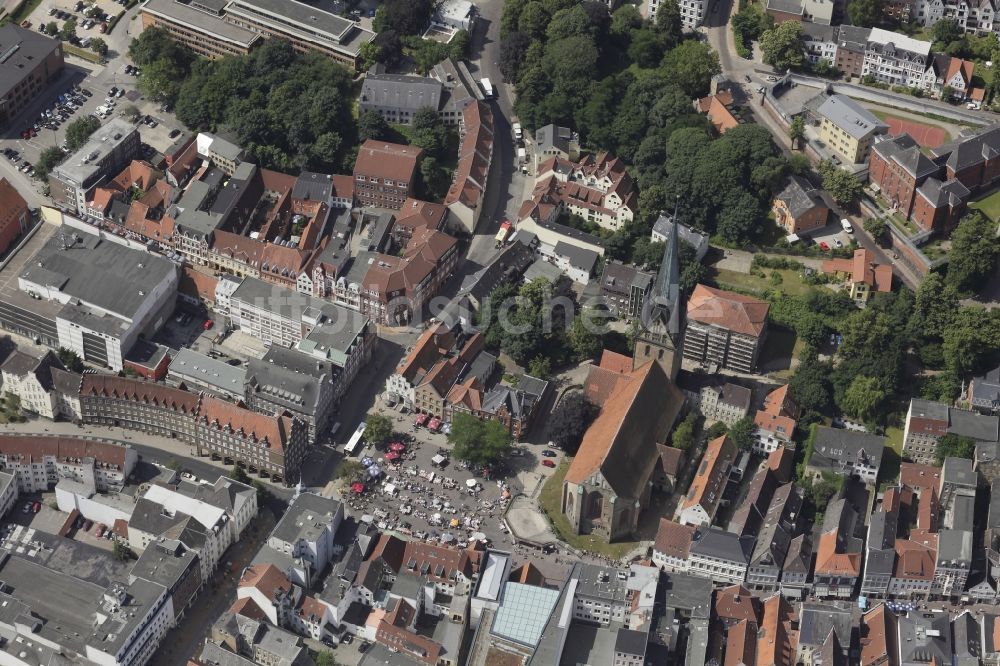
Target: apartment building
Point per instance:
(39, 462)
(774, 425)
(845, 453)
(624, 288)
(288, 380)
(896, 59)
(385, 173)
(727, 403)
(103, 156)
(720, 556)
(271, 446)
(799, 208)
(927, 422)
(200, 26)
(31, 61)
(724, 329)
(597, 188)
(705, 494)
(848, 129)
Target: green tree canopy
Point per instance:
(844, 187)
(78, 131)
(782, 46)
(954, 446)
(863, 397)
(378, 429)
(569, 421)
(865, 13)
(742, 432)
(47, 161)
(691, 65)
(685, 432)
(974, 248)
(478, 442)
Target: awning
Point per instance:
(421, 419)
(471, 483)
(434, 423)
(392, 456)
(397, 447)
(438, 459)
(358, 488)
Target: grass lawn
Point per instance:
(990, 206)
(548, 500)
(791, 281)
(894, 439)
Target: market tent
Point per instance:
(420, 419)
(471, 483)
(434, 423)
(392, 456)
(358, 488)
(397, 447)
(374, 470)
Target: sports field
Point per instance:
(927, 136)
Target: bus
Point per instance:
(356, 442)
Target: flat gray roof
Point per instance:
(305, 518)
(411, 93)
(20, 52)
(846, 114)
(201, 21)
(210, 372)
(98, 272)
(80, 166)
(305, 21)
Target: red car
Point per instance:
(208, 324)
(25, 135)
(36, 507)
(823, 246)
(548, 463)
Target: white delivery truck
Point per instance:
(845, 224)
(487, 88)
(518, 132)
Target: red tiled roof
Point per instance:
(429, 348)
(674, 539)
(273, 430)
(267, 579)
(616, 362)
(247, 607)
(741, 645)
(780, 462)
(310, 606)
(603, 382)
(919, 477)
(416, 214)
(343, 186)
(387, 160)
(735, 604)
(777, 641)
(863, 269)
(706, 487)
(874, 631)
(34, 447)
(728, 310)
(780, 403)
(914, 560)
(419, 647)
(671, 459)
(197, 284)
(139, 391)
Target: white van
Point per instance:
(845, 224)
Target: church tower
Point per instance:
(659, 336)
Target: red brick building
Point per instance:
(385, 173)
(14, 215)
(919, 188)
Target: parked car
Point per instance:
(208, 324)
(26, 508)
(174, 133)
(88, 524)
(838, 243)
(548, 453)
(36, 507)
(823, 246)
(548, 463)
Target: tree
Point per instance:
(47, 161)
(406, 17)
(378, 428)
(782, 46)
(458, 47)
(325, 658)
(715, 431)
(864, 13)
(954, 446)
(350, 470)
(99, 46)
(433, 179)
(877, 227)
(586, 334)
(70, 360)
(843, 186)
(369, 54)
(131, 112)
(51, 28)
(668, 21)
(68, 30)
(513, 50)
(239, 474)
(810, 385)
(822, 489)
(974, 248)
(122, 552)
(478, 442)
(741, 433)
(691, 65)
(373, 126)
(683, 436)
(570, 420)
(78, 131)
(797, 131)
(625, 19)
(945, 32)
(161, 81)
(540, 367)
(935, 307)
(863, 397)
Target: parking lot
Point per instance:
(833, 235)
(455, 503)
